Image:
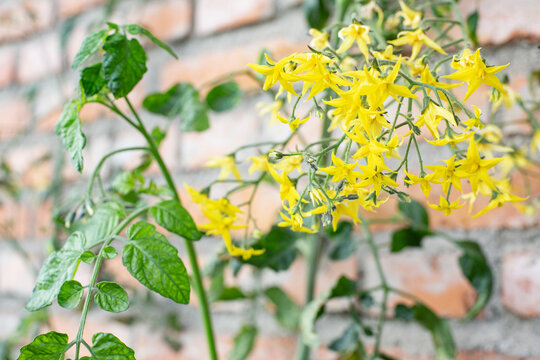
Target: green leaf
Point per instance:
(180, 100)
(231, 293)
(343, 243)
(407, 237)
(416, 213)
(89, 46)
(124, 64)
(317, 13)
(403, 312)
(173, 217)
(476, 269)
(135, 29)
(92, 80)
(243, 342)
(49, 346)
(343, 287)
(224, 96)
(59, 267)
(280, 250)
(109, 252)
(152, 260)
(472, 24)
(109, 347)
(348, 341)
(69, 129)
(287, 311)
(111, 297)
(70, 294)
(88, 257)
(445, 348)
(101, 225)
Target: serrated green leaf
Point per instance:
(407, 237)
(279, 250)
(124, 183)
(317, 13)
(243, 342)
(109, 252)
(109, 347)
(472, 24)
(154, 262)
(70, 294)
(69, 129)
(224, 96)
(89, 46)
(476, 269)
(124, 64)
(180, 100)
(59, 267)
(135, 29)
(111, 297)
(343, 244)
(416, 213)
(287, 311)
(92, 80)
(175, 218)
(49, 346)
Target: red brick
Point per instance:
(435, 279)
(38, 58)
(14, 116)
(167, 20)
(7, 64)
(204, 68)
(21, 18)
(509, 20)
(15, 220)
(69, 8)
(521, 283)
(218, 15)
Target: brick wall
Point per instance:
(38, 39)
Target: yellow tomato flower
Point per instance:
(508, 97)
(293, 124)
(475, 121)
(416, 39)
(425, 182)
(453, 141)
(498, 200)
(278, 72)
(472, 69)
(446, 174)
(259, 163)
(352, 33)
(432, 116)
(341, 170)
(445, 206)
(272, 109)
(320, 39)
(411, 18)
(290, 163)
(375, 177)
(295, 222)
(287, 190)
(227, 165)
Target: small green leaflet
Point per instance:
(152, 260)
(224, 96)
(92, 80)
(416, 213)
(180, 100)
(101, 225)
(111, 297)
(135, 29)
(69, 129)
(472, 24)
(58, 268)
(70, 294)
(343, 243)
(109, 347)
(317, 13)
(89, 46)
(124, 64)
(173, 217)
(287, 311)
(243, 342)
(407, 237)
(475, 267)
(280, 250)
(49, 346)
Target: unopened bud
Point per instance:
(352, 197)
(275, 155)
(326, 218)
(88, 206)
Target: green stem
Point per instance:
(190, 248)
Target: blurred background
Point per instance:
(38, 41)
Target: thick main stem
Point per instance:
(192, 254)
